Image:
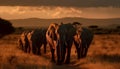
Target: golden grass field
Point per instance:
(104, 53)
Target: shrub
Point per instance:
(5, 27)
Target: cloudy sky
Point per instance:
(17, 9)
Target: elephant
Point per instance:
(51, 38)
(66, 33)
(83, 42)
(23, 41)
(86, 39)
(69, 33)
(36, 39)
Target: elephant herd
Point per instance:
(60, 38)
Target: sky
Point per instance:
(49, 9)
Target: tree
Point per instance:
(5, 27)
(93, 26)
(118, 27)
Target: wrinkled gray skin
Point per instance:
(37, 39)
(51, 37)
(23, 42)
(86, 39)
(66, 36)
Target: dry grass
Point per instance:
(103, 54)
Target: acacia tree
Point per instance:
(5, 27)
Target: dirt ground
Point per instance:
(104, 53)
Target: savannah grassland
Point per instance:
(104, 53)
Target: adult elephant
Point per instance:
(51, 38)
(36, 39)
(23, 42)
(82, 42)
(86, 39)
(65, 39)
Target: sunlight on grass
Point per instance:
(102, 54)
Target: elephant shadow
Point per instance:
(72, 65)
(51, 66)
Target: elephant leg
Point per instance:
(63, 53)
(19, 44)
(58, 55)
(78, 53)
(67, 61)
(68, 56)
(26, 49)
(85, 52)
(34, 48)
(86, 49)
(83, 49)
(53, 54)
(29, 48)
(22, 47)
(45, 47)
(69, 46)
(78, 50)
(39, 49)
(82, 52)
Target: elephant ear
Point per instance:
(78, 27)
(51, 32)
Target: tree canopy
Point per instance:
(6, 27)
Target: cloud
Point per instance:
(64, 3)
(39, 12)
(49, 12)
(11, 10)
(106, 12)
(66, 12)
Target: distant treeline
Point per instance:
(94, 28)
(7, 28)
(98, 30)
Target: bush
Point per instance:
(93, 26)
(6, 27)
